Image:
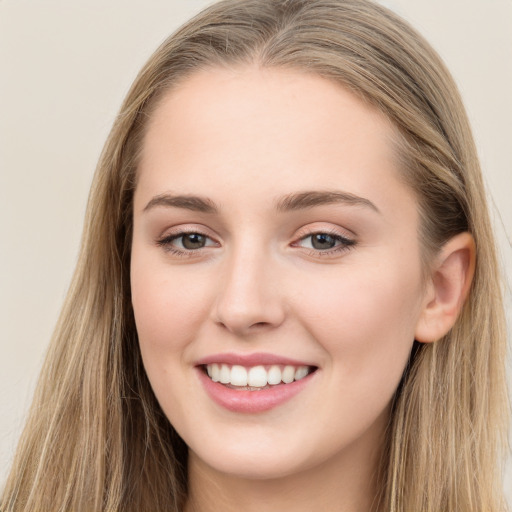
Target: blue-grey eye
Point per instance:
(193, 241)
(323, 241)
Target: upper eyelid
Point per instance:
(335, 231)
(175, 236)
(345, 242)
(334, 235)
(176, 231)
(300, 234)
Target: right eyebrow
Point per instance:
(193, 203)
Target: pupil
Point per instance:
(323, 241)
(193, 241)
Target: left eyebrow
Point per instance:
(310, 199)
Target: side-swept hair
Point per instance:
(96, 438)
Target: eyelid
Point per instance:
(185, 228)
(344, 241)
(165, 240)
(326, 222)
(347, 242)
(327, 228)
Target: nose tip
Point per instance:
(246, 318)
(249, 301)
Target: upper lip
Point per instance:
(255, 359)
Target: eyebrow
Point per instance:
(310, 199)
(187, 202)
(291, 202)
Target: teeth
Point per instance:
(238, 376)
(274, 375)
(225, 374)
(215, 373)
(256, 376)
(301, 372)
(288, 374)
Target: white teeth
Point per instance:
(274, 375)
(238, 376)
(255, 376)
(215, 372)
(288, 374)
(301, 372)
(225, 374)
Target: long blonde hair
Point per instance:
(96, 438)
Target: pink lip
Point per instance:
(244, 401)
(247, 360)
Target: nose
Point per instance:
(250, 298)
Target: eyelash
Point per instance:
(166, 243)
(344, 243)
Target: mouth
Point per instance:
(254, 383)
(255, 378)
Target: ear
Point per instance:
(448, 288)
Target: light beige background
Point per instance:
(65, 67)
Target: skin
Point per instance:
(243, 139)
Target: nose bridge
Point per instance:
(249, 296)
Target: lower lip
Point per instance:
(244, 401)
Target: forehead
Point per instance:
(263, 104)
(264, 130)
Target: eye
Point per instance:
(322, 241)
(191, 241)
(325, 242)
(186, 242)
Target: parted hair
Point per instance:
(96, 439)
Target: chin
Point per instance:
(249, 466)
(265, 458)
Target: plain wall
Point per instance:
(65, 67)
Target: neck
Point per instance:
(348, 482)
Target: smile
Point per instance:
(256, 377)
(253, 383)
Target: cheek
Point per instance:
(168, 314)
(168, 308)
(365, 318)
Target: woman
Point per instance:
(287, 294)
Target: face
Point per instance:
(275, 273)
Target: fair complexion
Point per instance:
(271, 228)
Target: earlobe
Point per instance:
(449, 286)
